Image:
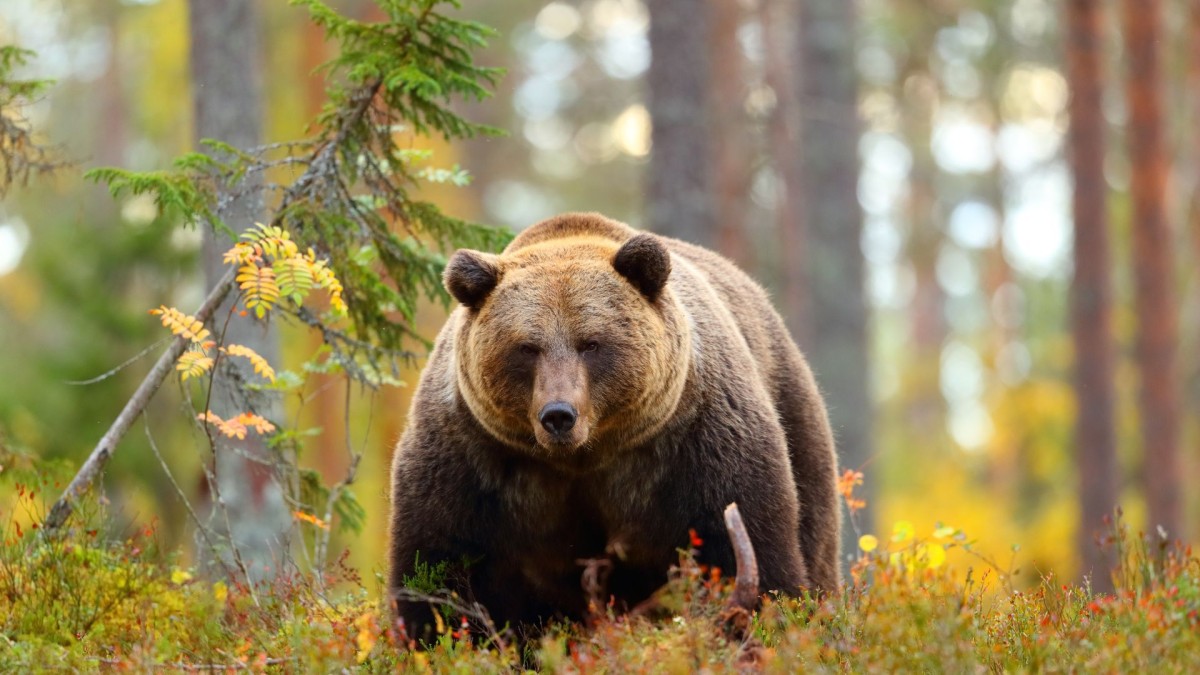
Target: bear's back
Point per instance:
(571, 225)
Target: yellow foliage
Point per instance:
(181, 324)
(194, 363)
(947, 490)
(368, 632)
(237, 427)
(271, 266)
(241, 254)
(260, 364)
(272, 241)
(258, 288)
(1032, 427)
(327, 280)
(311, 519)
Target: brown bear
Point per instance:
(599, 393)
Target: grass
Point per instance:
(89, 602)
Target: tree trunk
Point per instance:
(1091, 287)
(248, 504)
(1194, 212)
(1157, 332)
(835, 337)
(730, 140)
(679, 192)
(780, 55)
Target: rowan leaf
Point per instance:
(295, 278)
(237, 427)
(194, 363)
(242, 253)
(261, 366)
(258, 288)
(181, 324)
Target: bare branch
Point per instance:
(745, 590)
(133, 408)
(324, 164)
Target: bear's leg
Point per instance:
(814, 467)
(436, 526)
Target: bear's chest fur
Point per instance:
(550, 525)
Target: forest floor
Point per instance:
(86, 602)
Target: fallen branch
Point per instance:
(738, 612)
(91, 468)
(323, 165)
(745, 588)
(595, 584)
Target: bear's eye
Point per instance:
(528, 350)
(589, 346)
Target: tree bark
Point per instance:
(679, 192)
(1158, 322)
(1194, 215)
(835, 333)
(730, 140)
(227, 100)
(1091, 287)
(780, 54)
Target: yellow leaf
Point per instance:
(181, 324)
(179, 576)
(365, 640)
(902, 531)
(256, 422)
(944, 532)
(328, 280)
(193, 363)
(868, 542)
(231, 428)
(258, 288)
(260, 364)
(220, 591)
(935, 555)
(311, 519)
(240, 254)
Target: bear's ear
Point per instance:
(470, 276)
(645, 262)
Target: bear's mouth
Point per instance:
(564, 440)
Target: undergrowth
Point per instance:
(92, 600)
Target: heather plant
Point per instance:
(94, 599)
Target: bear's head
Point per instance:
(570, 348)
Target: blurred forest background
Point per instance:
(980, 218)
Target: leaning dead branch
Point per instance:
(323, 163)
(739, 610)
(745, 589)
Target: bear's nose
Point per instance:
(558, 417)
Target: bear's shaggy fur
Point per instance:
(685, 391)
